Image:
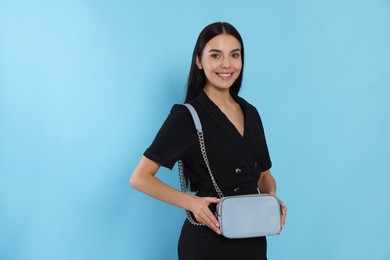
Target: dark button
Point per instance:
(238, 170)
(236, 189)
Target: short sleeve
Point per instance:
(257, 139)
(266, 163)
(174, 139)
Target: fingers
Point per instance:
(203, 214)
(209, 220)
(212, 199)
(283, 216)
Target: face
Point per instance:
(221, 61)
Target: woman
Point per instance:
(236, 148)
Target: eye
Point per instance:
(236, 55)
(215, 56)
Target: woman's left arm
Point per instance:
(267, 184)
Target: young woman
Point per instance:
(236, 148)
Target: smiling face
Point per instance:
(221, 61)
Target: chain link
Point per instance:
(206, 160)
(183, 189)
(182, 181)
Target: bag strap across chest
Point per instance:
(202, 146)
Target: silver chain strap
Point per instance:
(206, 160)
(183, 189)
(182, 181)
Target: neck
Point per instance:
(220, 97)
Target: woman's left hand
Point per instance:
(283, 216)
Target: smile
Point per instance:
(224, 74)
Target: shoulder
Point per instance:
(176, 127)
(179, 118)
(179, 112)
(250, 111)
(246, 105)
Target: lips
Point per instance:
(225, 76)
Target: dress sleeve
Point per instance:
(174, 139)
(265, 160)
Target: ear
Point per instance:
(199, 63)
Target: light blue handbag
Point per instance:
(242, 216)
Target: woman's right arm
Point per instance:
(144, 180)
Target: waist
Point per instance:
(242, 189)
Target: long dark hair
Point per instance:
(197, 78)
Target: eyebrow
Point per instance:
(219, 51)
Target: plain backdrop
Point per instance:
(85, 86)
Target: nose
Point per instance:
(225, 63)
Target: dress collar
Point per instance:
(224, 123)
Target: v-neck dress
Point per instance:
(236, 162)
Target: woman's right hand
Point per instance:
(202, 213)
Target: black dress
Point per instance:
(236, 161)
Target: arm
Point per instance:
(144, 180)
(267, 184)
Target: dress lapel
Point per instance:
(222, 121)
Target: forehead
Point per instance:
(223, 42)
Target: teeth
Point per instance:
(224, 75)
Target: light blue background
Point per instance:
(85, 85)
